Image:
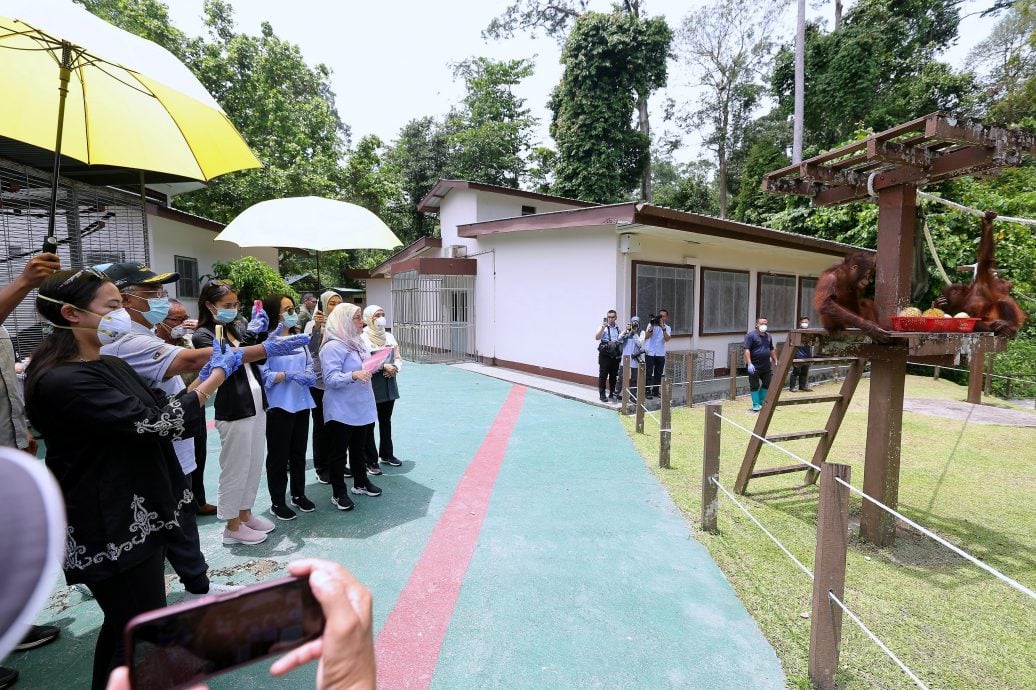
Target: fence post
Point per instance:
(733, 376)
(825, 631)
(665, 436)
(936, 372)
(641, 375)
(710, 467)
(989, 373)
(691, 368)
(624, 399)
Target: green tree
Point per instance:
(555, 17)
(685, 187)
(253, 279)
(727, 44)
(1008, 60)
(764, 148)
(609, 59)
(420, 156)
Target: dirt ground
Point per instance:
(978, 414)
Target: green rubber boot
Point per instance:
(756, 403)
(762, 395)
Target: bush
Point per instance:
(253, 279)
(1019, 363)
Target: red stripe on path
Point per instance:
(409, 643)
(211, 424)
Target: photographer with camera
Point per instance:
(634, 348)
(610, 341)
(657, 335)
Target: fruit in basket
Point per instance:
(933, 313)
(962, 315)
(910, 311)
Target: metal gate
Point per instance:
(433, 316)
(93, 225)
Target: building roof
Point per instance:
(430, 202)
(642, 214)
(179, 216)
(411, 251)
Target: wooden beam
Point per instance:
(973, 132)
(892, 152)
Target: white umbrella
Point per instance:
(309, 222)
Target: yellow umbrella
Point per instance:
(78, 86)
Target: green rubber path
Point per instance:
(583, 575)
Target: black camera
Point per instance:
(653, 320)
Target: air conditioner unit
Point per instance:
(455, 251)
(629, 244)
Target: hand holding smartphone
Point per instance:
(188, 642)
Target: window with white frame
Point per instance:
(659, 286)
(777, 296)
(807, 288)
(724, 301)
(187, 267)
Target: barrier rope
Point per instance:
(769, 443)
(973, 211)
(967, 371)
(877, 641)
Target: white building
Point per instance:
(522, 280)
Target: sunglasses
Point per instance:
(91, 271)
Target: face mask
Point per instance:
(226, 316)
(158, 310)
(291, 320)
(380, 322)
(112, 326)
(177, 332)
(762, 329)
(804, 324)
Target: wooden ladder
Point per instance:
(773, 400)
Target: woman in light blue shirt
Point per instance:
(287, 379)
(349, 407)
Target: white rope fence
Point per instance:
(769, 443)
(966, 371)
(973, 211)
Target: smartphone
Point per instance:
(50, 245)
(183, 644)
(257, 306)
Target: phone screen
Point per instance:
(185, 643)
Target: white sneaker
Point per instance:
(214, 588)
(260, 524)
(243, 535)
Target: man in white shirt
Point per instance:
(657, 335)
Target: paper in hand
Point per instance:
(376, 360)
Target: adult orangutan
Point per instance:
(837, 298)
(987, 297)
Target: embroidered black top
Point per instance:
(109, 444)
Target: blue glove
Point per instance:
(286, 345)
(222, 358)
(260, 322)
(301, 377)
(751, 368)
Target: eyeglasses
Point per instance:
(220, 281)
(291, 310)
(91, 271)
(173, 321)
(149, 293)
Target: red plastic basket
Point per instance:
(929, 324)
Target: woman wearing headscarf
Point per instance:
(315, 329)
(349, 407)
(386, 390)
(287, 379)
(110, 447)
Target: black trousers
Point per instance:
(201, 448)
(608, 372)
(383, 449)
(346, 441)
(761, 378)
(799, 377)
(319, 432)
(655, 366)
(185, 556)
(121, 597)
(287, 435)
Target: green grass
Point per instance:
(952, 623)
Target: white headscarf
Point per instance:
(375, 333)
(325, 297)
(340, 327)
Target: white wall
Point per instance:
(379, 292)
(169, 237)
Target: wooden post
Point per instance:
(988, 388)
(710, 467)
(624, 399)
(975, 362)
(733, 376)
(665, 437)
(935, 372)
(825, 628)
(641, 375)
(692, 366)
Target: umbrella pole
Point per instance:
(64, 74)
(318, 271)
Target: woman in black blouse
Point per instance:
(109, 444)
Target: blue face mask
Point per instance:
(158, 310)
(291, 320)
(226, 315)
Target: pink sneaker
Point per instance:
(260, 524)
(243, 535)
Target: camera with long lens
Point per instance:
(653, 320)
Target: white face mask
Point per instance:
(111, 327)
(380, 322)
(762, 328)
(804, 324)
(177, 332)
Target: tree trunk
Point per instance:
(838, 14)
(721, 152)
(645, 128)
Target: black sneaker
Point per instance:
(8, 677)
(369, 490)
(282, 512)
(343, 503)
(38, 636)
(323, 478)
(348, 473)
(393, 461)
(604, 399)
(373, 469)
(303, 504)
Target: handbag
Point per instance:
(609, 347)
